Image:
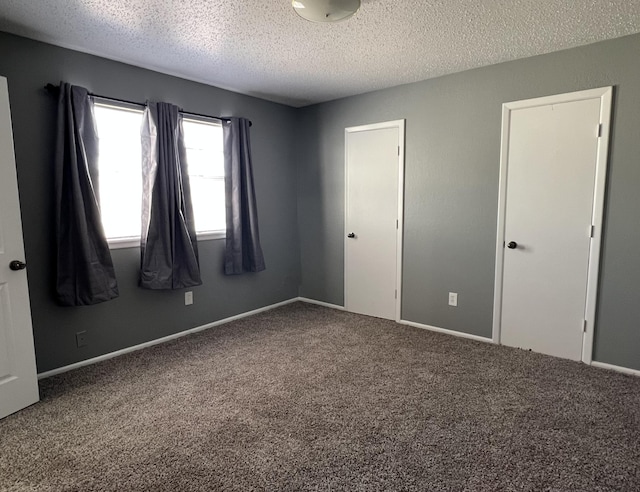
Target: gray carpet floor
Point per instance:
(308, 398)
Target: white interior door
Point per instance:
(552, 154)
(18, 380)
(374, 156)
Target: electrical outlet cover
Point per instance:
(81, 339)
(453, 298)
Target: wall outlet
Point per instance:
(453, 298)
(188, 298)
(81, 339)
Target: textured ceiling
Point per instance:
(263, 48)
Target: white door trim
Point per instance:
(400, 125)
(605, 95)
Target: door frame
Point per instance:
(400, 125)
(605, 94)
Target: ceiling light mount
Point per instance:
(326, 10)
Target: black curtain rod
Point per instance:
(55, 88)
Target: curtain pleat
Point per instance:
(84, 269)
(243, 251)
(168, 246)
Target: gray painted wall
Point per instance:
(452, 161)
(451, 194)
(140, 315)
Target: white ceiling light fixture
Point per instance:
(325, 10)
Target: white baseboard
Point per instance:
(87, 362)
(611, 367)
(158, 341)
(408, 323)
(320, 303)
(446, 332)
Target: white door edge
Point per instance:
(19, 384)
(605, 94)
(400, 125)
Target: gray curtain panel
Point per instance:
(84, 269)
(243, 251)
(168, 246)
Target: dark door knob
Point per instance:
(17, 265)
(351, 234)
(512, 245)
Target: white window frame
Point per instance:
(134, 241)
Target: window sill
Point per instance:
(134, 242)
(124, 242)
(206, 236)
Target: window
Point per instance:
(120, 170)
(205, 161)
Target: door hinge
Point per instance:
(592, 231)
(396, 294)
(397, 224)
(584, 325)
(599, 130)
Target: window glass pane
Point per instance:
(205, 161)
(120, 168)
(207, 196)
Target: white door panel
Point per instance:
(18, 380)
(552, 157)
(371, 215)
